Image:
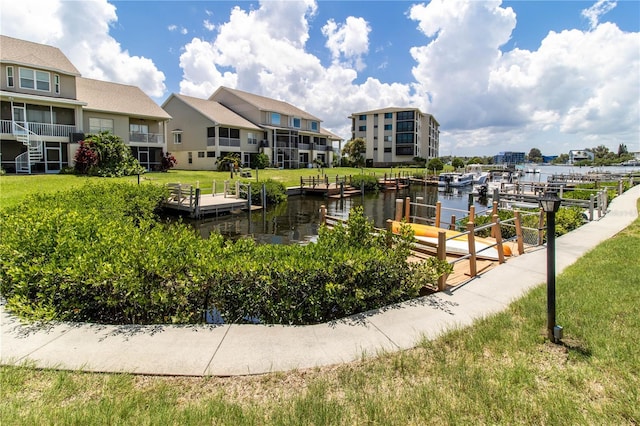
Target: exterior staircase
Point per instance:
(35, 148)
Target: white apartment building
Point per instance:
(396, 135)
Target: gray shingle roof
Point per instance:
(117, 98)
(217, 112)
(22, 52)
(266, 104)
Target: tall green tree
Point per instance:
(435, 164)
(355, 150)
(622, 149)
(535, 156)
(457, 163)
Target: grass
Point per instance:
(501, 370)
(14, 188)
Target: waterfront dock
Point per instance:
(190, 200)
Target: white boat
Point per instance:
(455, 179)
(479, 176)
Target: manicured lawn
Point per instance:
(499, 371)
(13, 188)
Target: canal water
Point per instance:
(297, 220)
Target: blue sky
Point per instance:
(497, 75)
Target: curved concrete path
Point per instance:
(226, 350)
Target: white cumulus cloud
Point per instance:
(349, 40)
(261, 51)
(80, 29)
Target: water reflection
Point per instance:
(298, 219)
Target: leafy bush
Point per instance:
(276, 192)
(167, 162)
(100, 254)
(106, 155)
(370, 182)
(567, 219)
(262, 160)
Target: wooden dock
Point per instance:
(188, 199)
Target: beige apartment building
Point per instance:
(47, 108)
(233, 121)
(396, 135)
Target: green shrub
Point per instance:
(276, 192)
(105, 154)
(370, 182)
(100, 254)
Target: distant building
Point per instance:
(548, 158)
(576, 155)
(509, 158)
(396, 135)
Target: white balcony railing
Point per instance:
(152, 138)
(40, 129)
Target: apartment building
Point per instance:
(396, 135)
(509, 158)
(47, 107)
(234, 121)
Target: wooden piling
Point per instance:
(519, 234)
(438, 213)
(473, 262)
(323, 214)
(441, 252)
(452, 224)
(496, 222)
(407, 209)
(399, 206)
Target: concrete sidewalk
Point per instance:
(226, 350)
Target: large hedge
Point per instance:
(101, 254)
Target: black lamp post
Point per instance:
(550, 203)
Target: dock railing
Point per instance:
(182, 195)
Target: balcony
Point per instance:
(41, 129)
(150, 138)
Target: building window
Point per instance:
(190, 157)
(362, 117)
(211, 154)
(405, 115)
(295, 122)
(252, 138)
(362, 128)
(387, 150)
(404, 138)
(275, 118)
(388, 138)
(388, 115)
(32, 79)
(200, 154)
(56, 83)
(388, 127)
(98, 125)
(227, 132)
(139, 128)
(405, 126)
(9, 76)
(177, 138)
(313, 125)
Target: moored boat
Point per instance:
(455, 179)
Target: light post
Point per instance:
(550, 203)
